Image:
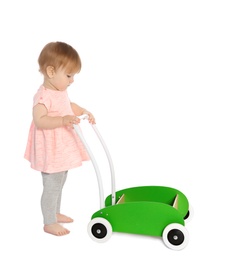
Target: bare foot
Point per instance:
(56, 229)
(63, 219)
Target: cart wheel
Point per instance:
(175, 236)
(189, 215)
(99, 229)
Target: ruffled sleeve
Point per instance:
(42, 97)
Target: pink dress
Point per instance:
(54, 150)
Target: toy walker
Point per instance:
(146, 210)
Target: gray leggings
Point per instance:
(51, 196)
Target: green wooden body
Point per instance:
(145, 210)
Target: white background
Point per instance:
(158, 76)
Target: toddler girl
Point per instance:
(53, 147)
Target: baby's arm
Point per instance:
(78, 111)
(43, 121)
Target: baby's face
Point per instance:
(61, 80)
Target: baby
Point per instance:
(53, 147)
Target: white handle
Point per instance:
(83, 117)
(95, 163)
(109, 160)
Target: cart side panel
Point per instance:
(145, 218)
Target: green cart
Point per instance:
(146, 210)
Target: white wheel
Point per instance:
(189, 215)
(175, 236)
(99, 229)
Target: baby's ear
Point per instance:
(50, 71)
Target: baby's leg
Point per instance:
(60, 217)
(53, 184)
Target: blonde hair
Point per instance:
(59, 55)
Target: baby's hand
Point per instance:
(91, 117)
(70, 120)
